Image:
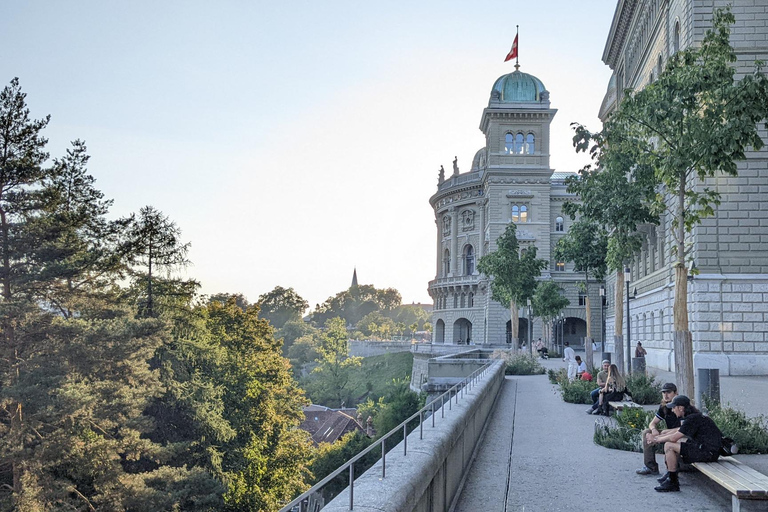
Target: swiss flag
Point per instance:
(513, 52)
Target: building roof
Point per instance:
(518, 87)
(560, 176)
(327, 425)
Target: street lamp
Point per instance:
(627, 279)
(602, 316)
(530, 327)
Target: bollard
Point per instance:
(709, 386)
(638, 365)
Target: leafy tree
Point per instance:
(223, 298)
(292, 331)
(513, 276)
(694, 122)
(548, 302)
(375, 325)
(330, 386)
(304, 350)
(353, 304)
(329, 457)
(153, 245)
(281, 305)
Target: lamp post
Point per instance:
(562, 332)
(602, 317)
(627, 279)
(530, 327)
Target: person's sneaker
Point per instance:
(590, 410)
(664, 478)
(668, 486)
(645, 470)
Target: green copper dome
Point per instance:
(518, 87)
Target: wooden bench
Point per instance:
(618, 406)
(742, 481)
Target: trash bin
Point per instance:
(709, 386)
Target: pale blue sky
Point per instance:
(294, 140)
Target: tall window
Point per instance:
(463, 300)
(523, 213)
(529, 144)
(455, 300)
(515, 213)
(582, 299)
(509, 144)
(469, 260)
(446, 263)
(471, 300)
(560, 266)
(559, 224)
(519, 143)
(676, 38)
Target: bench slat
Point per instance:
(739, 479)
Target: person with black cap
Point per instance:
(651, 467)
(697, 440)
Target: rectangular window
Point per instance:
(560, 266)
(582, 299)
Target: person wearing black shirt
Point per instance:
(697, 440)
(672, 422)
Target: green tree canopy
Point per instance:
(281, 305)
(353, 304)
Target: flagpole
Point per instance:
(517, 56)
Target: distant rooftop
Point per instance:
(560, 176)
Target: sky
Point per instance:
(293, 141)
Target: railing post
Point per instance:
(421, 424)
(351, 486)
(384, 457)
(442, 406)
(450, 399)
(433, 413)
(405, 439)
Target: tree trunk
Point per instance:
(514, 324)
(588, 352)
(683, 339)
(618, 325)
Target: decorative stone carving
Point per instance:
(447, 225)
(520, 193)
(467, 220)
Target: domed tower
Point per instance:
(509, 182)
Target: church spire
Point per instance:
(354, 277)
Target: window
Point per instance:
(471, 300)
(559, 224)
(560, 266)
(446, 263)
(463, 300)
(455, 300)
(509, 144)
(676, 38)
(582, 299)
(529, 144)
(658, 66)
(523, 213)
(519, 143)
(515, 213)
(469, 260)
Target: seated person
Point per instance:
(697, 440)
(602, 376)
(672, 422)
(542, 350)
(581, 367)
(613, 391)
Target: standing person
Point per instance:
(639, 350)
(569, 356)
(668, 392)
(697, 440)
(602, 377)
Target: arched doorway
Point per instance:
(462, 331)
(440, 331)
(574, 331)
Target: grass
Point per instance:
(377, 372)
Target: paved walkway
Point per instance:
(538, 454)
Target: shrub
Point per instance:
(523, 364)
(576, 391)
(750, 434)
(557, 376)
(644, 389)
(623, 431)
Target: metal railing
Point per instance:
(453, 394)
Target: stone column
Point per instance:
(481, 244)
(439, 272)
(454, 241)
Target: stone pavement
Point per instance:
(538, 454)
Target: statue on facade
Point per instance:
(441, 176)
(455, 165)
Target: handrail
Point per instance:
(468, 383)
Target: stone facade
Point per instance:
(510, 181)
(728, 299)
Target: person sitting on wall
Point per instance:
(581, 367)
(639, 350)
(697, 440)
(672, 422)
(602, 377)
(613, 391)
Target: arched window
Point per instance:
(523, 213)
(676, 38)
(469, 260)
(515, 213)
(446, 263)
(509, 144)
(519, 143)
(658, 66)
(559, 224)
(529, 144)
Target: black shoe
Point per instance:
(647, 471)
(668, 486)
(664, 478)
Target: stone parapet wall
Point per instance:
(368, 348)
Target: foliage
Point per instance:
(223, 298)
(623, 431)
(353, 304)
(281, 305)
(375, 375)
(292, 331)
(376, 326)
(750, 434)
(576, 391)
(556, 376)
(523, 364)
(327, 458)
(644, 388)
(330, 385)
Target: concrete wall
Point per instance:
(368, 348)
(430, 476)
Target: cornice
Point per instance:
(619, 29)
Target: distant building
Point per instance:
(728, 299)
(510, 180)
(329, 425)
